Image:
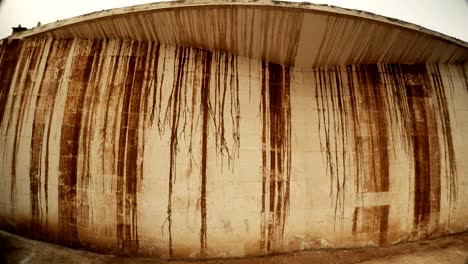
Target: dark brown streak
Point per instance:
(263, 238)
(448, 147)
(43, 113)
(425, 153)
(33, 54)
(205, 93)
(10, 52)
(115, 62)
(276, 118)
(174, 107)
(155, 83)
(69, 150)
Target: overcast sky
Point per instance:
(446, 16)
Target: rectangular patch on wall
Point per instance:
(372, 220)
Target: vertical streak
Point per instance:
(9, 53)
(264, 157)
(128, 151)
(33, 62)
(69, 148)
(44, 108)
(448, 147)
(205, 94)
(425, 149)
(276, 119)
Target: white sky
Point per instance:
(449, 17)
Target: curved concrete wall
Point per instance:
(139, 148)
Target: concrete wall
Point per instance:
(137, 148)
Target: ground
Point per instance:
(451, 249)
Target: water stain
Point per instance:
(362, 111)
(426, 148)
(205, 104)
(10, 51)
(371, 221)
(444, 120)
(128, 151)
(29, 62)
(359, 118)
(276, 154)
(70, 146)
(41, 130)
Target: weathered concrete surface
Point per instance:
(138, 148)
(300, 34)
(447, 250)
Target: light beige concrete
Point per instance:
(55, 79)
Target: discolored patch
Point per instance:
(276, 154)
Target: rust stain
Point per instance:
(373, 175)
(205, 94)
(365, 123)
(276, 139)
(181, 117)
(173, 112)
(333, 127)
(155, 81)
(372, 221)
(447, 144)
(9, 53)
(263, 238)
(375, 110)
(426, 149)
(31, 59)
(357, 120)
(45, 104)
(128, 166)
(70, 148)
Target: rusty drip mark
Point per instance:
(375, 176)
(359, 122)
(129, 167)
(401, 111)
(107, 117)
(425, 147)
(341, 130)
(180, 115)
(333, 123)
(226, 69)
(276, 141)
(375, 109)
(205, 94)
(174, 109)
(448, 148)
(155, 82)
(87, 128)
(151, 57)
(235, 110)
(296, 27)
(196, 67)
(383, 221)
(33, 63)
(354, 116)
(373, 222)
(464, 76)
(43, 113)
(10, 53)
(355, 219)
(70, 148)
(263, 235)
(160, 123)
